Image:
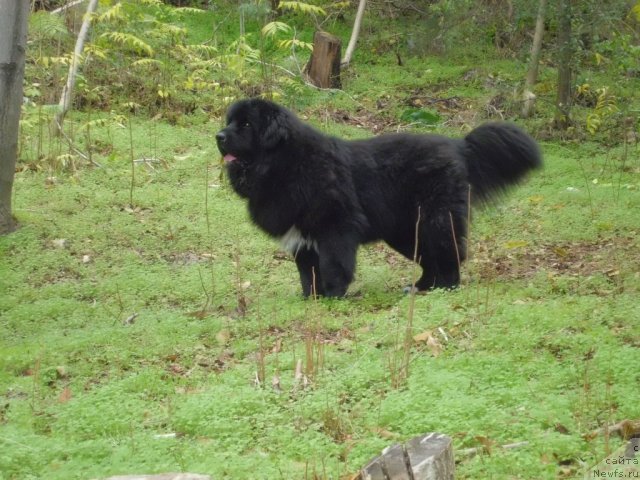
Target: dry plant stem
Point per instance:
(133, 164)
(242, 300)
(76, 150)
(262, 373)
(314, 291)
(211, 249)
(88, 139)
(207, 296)
(412, 303)
(468, 231)
(455, 243)
(309, 354)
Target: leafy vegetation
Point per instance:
(147, 326)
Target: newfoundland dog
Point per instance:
(322, 196)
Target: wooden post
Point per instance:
(323, 68)
(427, 457)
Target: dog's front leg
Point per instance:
(337, 258)
(308, 264)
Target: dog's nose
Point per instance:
(221, 137)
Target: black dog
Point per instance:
(323, 196)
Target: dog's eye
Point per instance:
(246, 125)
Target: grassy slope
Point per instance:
(541, 342)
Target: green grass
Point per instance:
(541, 345)
(134, 344)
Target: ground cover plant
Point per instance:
(147, 326)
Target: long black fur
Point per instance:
(324, 196)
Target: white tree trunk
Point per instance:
(69, 5)
(67, 92)
(355, 33)
(528, 96)
(14, 15)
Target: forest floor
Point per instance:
(147, 326)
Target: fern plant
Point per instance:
(605, 108)
(301, 7)
(46, 27)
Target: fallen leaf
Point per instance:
(513, 244)
(60, 243)
(422, 337)
(65, 396)
(176, 368)
(561, 252)
(275, 383)
(223, 337)
(434, 346)
(277, 347)
(386, 434)
(486, 442)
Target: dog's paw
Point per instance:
(412, 290)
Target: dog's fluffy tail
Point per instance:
(498, 155)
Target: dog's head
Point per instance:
(253, 127)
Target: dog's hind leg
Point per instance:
(441, 250)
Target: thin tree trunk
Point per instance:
(69, 5)
(532, 74)
(565, 58)
(355, 33)
(13, 44)
(67, 92)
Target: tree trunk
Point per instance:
(355, 33)
(532, 74)
(67, 92)
(13, 44)
(324, 67)
(565, 59)
(66, 7)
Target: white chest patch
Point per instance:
(293, 241)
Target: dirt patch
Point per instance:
(186, 258)
(447, 106)
(584, 259)
(362, 118)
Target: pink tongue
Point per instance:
(228, 158)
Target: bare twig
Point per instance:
(66, 7)
(472, 452)
(625, 429)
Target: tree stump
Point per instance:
(323, 68)
(427, 457)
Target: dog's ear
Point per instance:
(277, 129)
